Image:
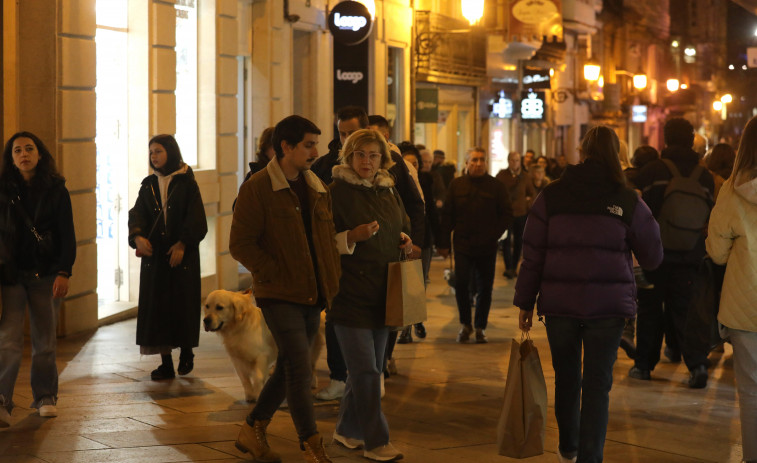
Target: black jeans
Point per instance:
(582, 401)
(513, 245)
(293, 327)
(484, 274)
(334, 357)
(671, 293)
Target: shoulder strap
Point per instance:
(671, 167)
(696, 172)
(26, 218)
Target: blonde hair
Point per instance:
(364, 137)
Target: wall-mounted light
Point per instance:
(673, 85)
(727, 98)
(473, 10)
(640, 81)
(684, 86)
(591, 70)
(717, 105)
(731, 67)
(674, 44)
(690, 51)
(601, 81)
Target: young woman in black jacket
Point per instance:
(37, 252)
(166, 226)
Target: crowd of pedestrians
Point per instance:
(368, 202)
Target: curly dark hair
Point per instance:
(46, 171)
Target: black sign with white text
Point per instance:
(350, 75)
(350, 22)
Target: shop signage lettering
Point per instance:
(503, 108)
(353, 77)
(427, 104)
(350, 22)
(532, 106)
(638, 113)
(536, 78)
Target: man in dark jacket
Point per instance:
(478, 210)
(349, 120)
(672, 280)
(522, 193)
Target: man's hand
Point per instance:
(176, 253)
(525, 319)
(362, 232)
(444, 252)
(144, 247)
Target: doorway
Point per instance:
(112, 156)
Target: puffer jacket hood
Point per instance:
(588, 180)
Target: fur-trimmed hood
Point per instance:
(382, 179)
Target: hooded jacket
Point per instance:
(361, 301)
(577, 247)
(169, 297)
(732, 239)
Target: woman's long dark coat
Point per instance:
(169, 298)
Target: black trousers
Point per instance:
(672, 294)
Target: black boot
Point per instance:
(165, 370)
(186, 361)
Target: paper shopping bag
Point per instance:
(405, 293)
(520, 433)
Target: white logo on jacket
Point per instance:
(617, 210)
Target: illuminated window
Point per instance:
(186, 79)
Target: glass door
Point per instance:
(112, 154)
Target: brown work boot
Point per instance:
(313, 451)
(252, 439)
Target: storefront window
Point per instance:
(112, 150)
(186, 79)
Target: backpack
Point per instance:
(685, 210)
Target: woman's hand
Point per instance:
(406, 244)
(525, 319)
(144, 247)
(176, 253)
(60, 286)
(362, 232)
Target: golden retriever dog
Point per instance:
(247, 339)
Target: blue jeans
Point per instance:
(360, 414)
(43, 318)
(582, 401)
(484, 274)
(293, 327)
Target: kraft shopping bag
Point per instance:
(405, 293)
(520, 433)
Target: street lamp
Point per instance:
(717, 105)
(727, 98)
(640, 81)
(673, 85)
(591, 70)
(473, 10)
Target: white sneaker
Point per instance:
(384, 453)
(335, 390)
(348, 442)
(562, 459)
(5, 417)
(48, 411)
